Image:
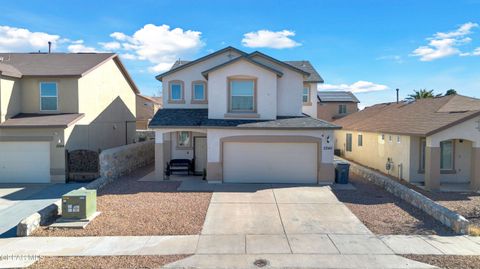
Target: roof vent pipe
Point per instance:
(49, 47)
(397, 95)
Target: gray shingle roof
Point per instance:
(54, 64)
(307, 67)
(173, 117)
(271, 69)
(336, 96)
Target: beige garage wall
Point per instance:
(375, 152)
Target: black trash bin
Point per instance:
(341, 172)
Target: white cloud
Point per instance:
(445, 44)
(14, 39)
(159, 45)
(394, 58)
(114, 45)
(269, 39)
(128, 56)
(357, 87)
(79, 46)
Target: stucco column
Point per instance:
(432, 168)
(475, 166)
(159, 156)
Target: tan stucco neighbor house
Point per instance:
(240, 117)
(58, 102)
(146, 107)
(433, 141)
(332, 105)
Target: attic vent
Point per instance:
(460, 111)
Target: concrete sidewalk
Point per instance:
(18, 201)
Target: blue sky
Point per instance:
(369, 47)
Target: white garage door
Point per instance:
(270, 162)
(24, 162)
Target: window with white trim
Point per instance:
(242, 95)
(306, 94)
(48, 96)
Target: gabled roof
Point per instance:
(422, 117)
(245, 58)
(289, 66)
(306, 66)
(179, 65)
(156, 100)
(303, 67)
(58, 64)
(336, 96)
(198, 118)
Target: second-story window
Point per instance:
(199, 91)
(48, 96)
(306, 94)
(342, 109)
(176, 94)
(242, 95)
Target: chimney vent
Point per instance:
(397, 95)
(49, 47)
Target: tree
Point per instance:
(421, 94)
(451, 92)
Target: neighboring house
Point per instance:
(433, 140)
(51, 103)
(332, 105)
(146, 107)
(239, 117)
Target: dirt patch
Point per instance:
(100, 262)
(466, 204)
(132, 207)
(448, 261)
(384, 213)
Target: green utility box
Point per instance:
(79, 204)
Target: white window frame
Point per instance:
(306, 87)
(230, 96)
(398, 139)
(41, 96)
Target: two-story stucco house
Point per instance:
(51, 103)
(333, 105)
(240, 117)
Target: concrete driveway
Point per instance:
(18, 201)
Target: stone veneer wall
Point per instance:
(449, 218)
(116, 162)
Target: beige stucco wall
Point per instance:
(109, 103)
(67, 89)
(57, 149)
(329, 111)
(10, 103)
(375, 151)
(266, 95)
(289, 89)
(190, 74)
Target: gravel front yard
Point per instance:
(132, 207)
(448, 262)
(384, 213)
(105, 262)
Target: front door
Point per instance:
(200, 154)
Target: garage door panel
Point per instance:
(24, 162)
(270, 162)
